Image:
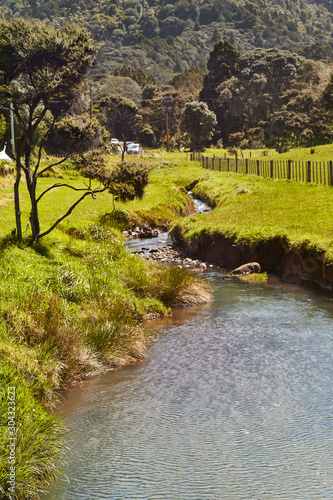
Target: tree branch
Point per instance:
(53, 164)
(41, 147)
(70, 210)
(87, 188)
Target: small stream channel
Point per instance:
(235, 402)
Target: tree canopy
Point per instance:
(222, 65)
(169, 36)
(274, 97)
(198, 122)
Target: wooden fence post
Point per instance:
(308, 172)
(289, 170)
(213, 162)
(220, 164)
(247, 165)
(228, 166)
(236, 164)
(271, 168)
(331, 173)
(258, 167)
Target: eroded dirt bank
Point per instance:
(275, 256)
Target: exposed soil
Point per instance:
(274, 257)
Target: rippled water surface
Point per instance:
(234, 403)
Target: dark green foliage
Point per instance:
(327, 98)
(183, 30)
(92, 164)
(275, 98)
(128, 181)
(317, 51)
(222, 65)
(49, 62)
(120, 117)
(191, 81)
(198, 122)
(77, 133)
(138, 75)
(147, 135)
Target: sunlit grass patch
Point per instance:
(253, 277)
(301, 214)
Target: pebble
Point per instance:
(167, 253)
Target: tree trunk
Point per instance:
(31, 185)
(124, 149)
(34, 218)
(17, 201)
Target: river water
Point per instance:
(235, 402)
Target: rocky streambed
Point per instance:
(159, 247)
(155, 244)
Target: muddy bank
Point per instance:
(275, 256)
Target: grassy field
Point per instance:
(159, 196)
(254, 209)
(317, 153)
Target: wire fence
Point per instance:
(317, 172)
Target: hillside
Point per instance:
(167, 37)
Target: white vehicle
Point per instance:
(134, 148)
(114, 142)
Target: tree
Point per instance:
(189, 82)
(120, 117)
(122, 86)
(270, 82)
(198, 122)
(39, 65)
(126, 182)
(222, 65)
(138, 75)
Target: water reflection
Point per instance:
(234, 402)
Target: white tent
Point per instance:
(3, 155)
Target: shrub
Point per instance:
(39, 439)
(118, 219)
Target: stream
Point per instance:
(235, 401)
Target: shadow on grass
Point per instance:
(11, 240)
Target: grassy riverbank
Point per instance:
(251, 209)
(70, 307)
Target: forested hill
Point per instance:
(167, 36)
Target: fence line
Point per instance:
(301, 171)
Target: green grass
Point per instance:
(252, 209)
(163, 199)
(252, 278)
(38, 443)
(321, 153)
